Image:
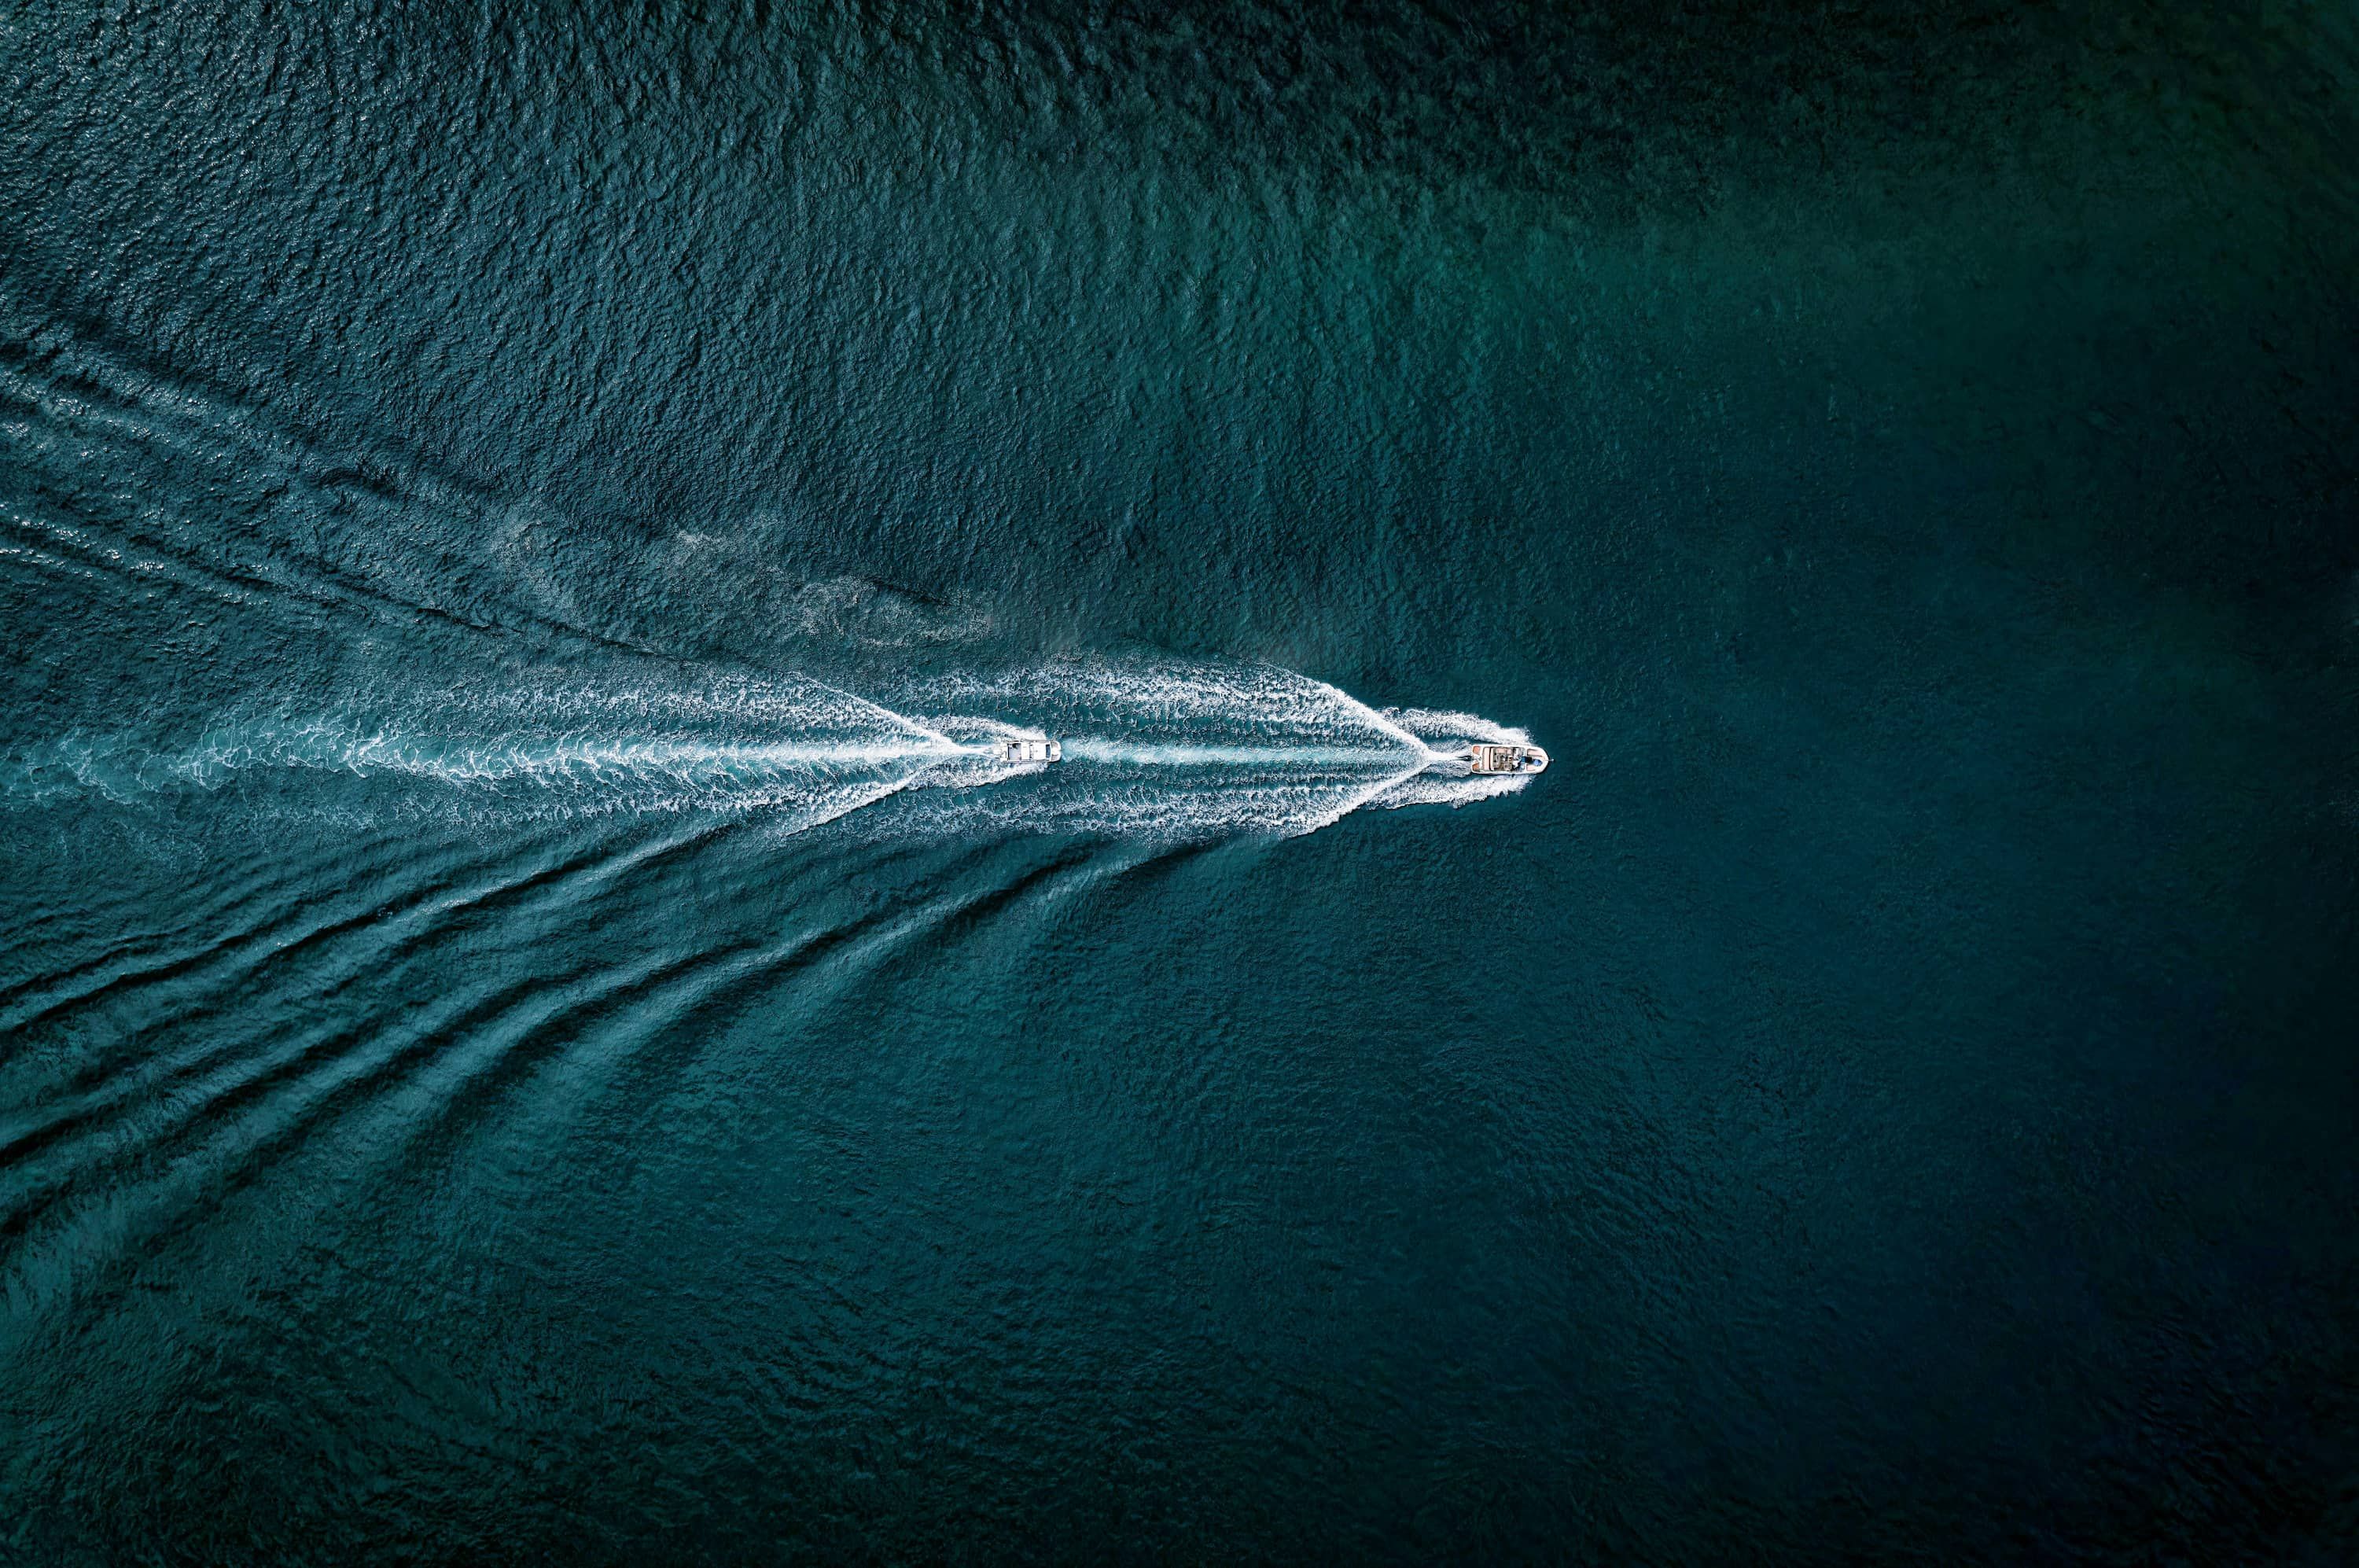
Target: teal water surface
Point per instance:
(535, 1024)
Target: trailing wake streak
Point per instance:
(1167, 749)
(1228, 755)
(1148, 750)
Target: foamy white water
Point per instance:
(1163, 750)
(1196, 749)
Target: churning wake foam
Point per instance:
(1169, 749)
(1150, 750)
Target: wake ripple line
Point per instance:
(420, 919)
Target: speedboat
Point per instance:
(1489, 759)
(1031, 751)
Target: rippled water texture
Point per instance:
(538, 1021)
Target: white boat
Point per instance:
(1031, 751)
(1504, 760)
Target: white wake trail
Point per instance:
(1165, 750)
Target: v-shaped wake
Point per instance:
(1160, 750)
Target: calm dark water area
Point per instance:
(535, 1023)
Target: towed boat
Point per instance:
(1504, 760)
(1031, 751)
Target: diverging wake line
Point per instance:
(1161, 750)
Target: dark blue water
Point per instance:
(534, 1027)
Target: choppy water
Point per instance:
(535, 1024)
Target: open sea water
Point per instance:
(535, 1025)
